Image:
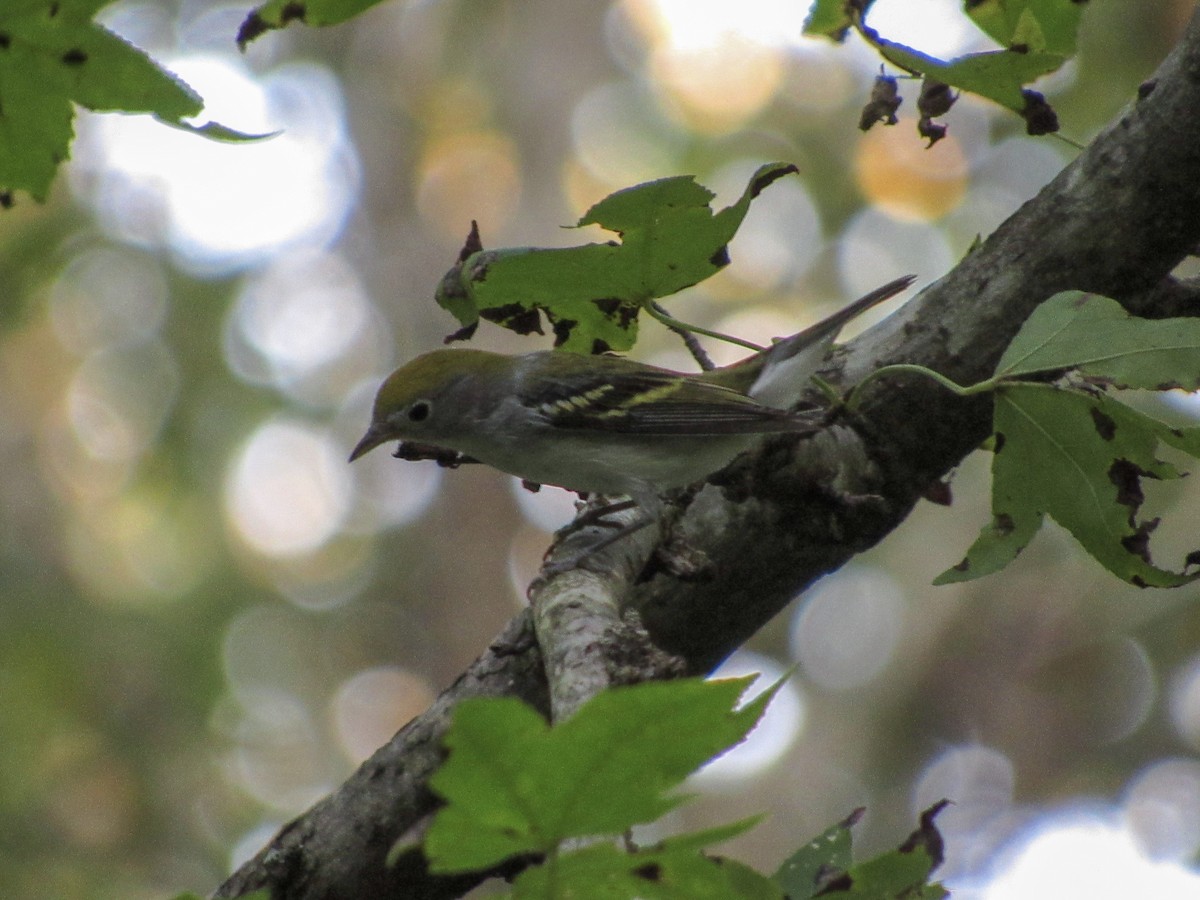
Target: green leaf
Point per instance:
(898, 874)
(999, 75)
(515, 785)
(52, 54)
(215, 131)
(489, 815)
(802, 873)
(828, 18)
(1037, 37)
(278, 13)
(1098, 337)
(706, 837)
(903, 872)
(592, 294)
(1079, 457)
(1039, 25)
(674, 869)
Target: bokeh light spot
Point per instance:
(1162, 808)
(1083, 856)
(775, 732)
(620, 139)
(219, 206)
(903, 177)
(278, 758)
(876, 247)
(303, 314)
(288, 490)
(549, 508)
(1184, 700)
(781, 236)
(372, 705)
(108, 295)
(846, 630)
(704, 24)
(119, 398)
(94, 806)
(139, 547)
(718, 89)
(465, 176)
(977, 779)
(305, 326)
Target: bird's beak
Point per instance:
(373, 438)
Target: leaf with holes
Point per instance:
(1079, 457)
(52, 55)
(999, 75)
(823, 867)
(804, 872)
(278, 13)
(592, 294)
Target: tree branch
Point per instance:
(587, 642)
(1116, 221)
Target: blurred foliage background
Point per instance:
(207, 618)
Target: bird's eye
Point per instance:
(420, 411)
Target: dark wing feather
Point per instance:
(669, 406)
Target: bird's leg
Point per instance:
(595, 515)
(595, 518)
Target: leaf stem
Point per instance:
(689, 340)
(952, 386)
(676, 325)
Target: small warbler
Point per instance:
(603, 424)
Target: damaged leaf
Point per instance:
(591, 295)
(885, 101)
(52, 55)
(278, 13)
(808, 869)
(1080, 457)
(1036, 37)
(828, 18)
(903, 872)
(999, 75)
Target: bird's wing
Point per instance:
(639, 399)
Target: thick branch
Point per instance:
(339, 847)
(1115, 221)
(588, 644)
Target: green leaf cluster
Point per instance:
(823, 867)
(514, 786)
(53, 55)
(1072, 451)
(1036, 37)
(592, 294)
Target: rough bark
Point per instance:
(1117, 220)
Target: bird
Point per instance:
(603, 424)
